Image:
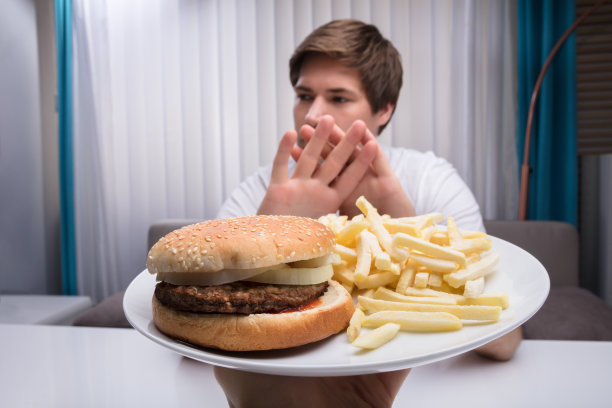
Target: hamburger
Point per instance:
(248, 283)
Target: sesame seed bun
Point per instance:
(240, 243)
(231, 246)
(261, 331)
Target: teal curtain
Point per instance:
(553, 183)
(63, 35)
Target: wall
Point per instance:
(29, 215)
(605, 235)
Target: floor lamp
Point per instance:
(525, 169)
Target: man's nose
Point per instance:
(316, 111)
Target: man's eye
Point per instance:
(304, 97)
(339, 99)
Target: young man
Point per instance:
(347, 79)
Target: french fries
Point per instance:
(411, 275)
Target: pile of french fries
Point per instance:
(410, 274)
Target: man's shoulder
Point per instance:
(404, 156)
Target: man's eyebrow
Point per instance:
(303, 88)
(331, 90)
(339, 90)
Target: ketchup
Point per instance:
(313, 304)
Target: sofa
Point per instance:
(569, 313)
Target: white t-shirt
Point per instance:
(431, 183)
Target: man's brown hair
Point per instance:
(356, 45)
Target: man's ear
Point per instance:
(384, 115)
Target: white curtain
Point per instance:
(177, 101)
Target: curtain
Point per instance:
(177, 101)
(63, 31)
(553, 183)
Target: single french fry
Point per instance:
(427, 248)
(347, 235)
(466, 312)
(421, 279)
(383, 262)
(411, 291)
(473, 245)
(386, 294)
(375, 280)
(424, 219)
(355, 324)
(377, 337)
(474, 288)
(435, 280)
(434, 264)
(473, 271)
(346, 253)
(406, 278)
(473, 234)
(415, 321)
(454, 236)
(394, 226)
(487, 299)
(364, 260)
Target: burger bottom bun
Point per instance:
(262, 331)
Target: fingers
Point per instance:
(380, 164)
(309, 158)
(281, 160)
(339, 157)
(353, 174)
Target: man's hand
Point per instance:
(244, 389)
(379, 184)
(503, 348)
(318, 187)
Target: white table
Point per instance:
(62, 366)
(39, 309)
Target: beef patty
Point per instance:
(237, 297)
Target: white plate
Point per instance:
(518, 273)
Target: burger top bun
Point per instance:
(240, 243)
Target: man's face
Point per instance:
(326, 87)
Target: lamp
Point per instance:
(525, 169)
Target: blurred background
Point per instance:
(116, 114)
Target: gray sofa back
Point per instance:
(553, 243)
